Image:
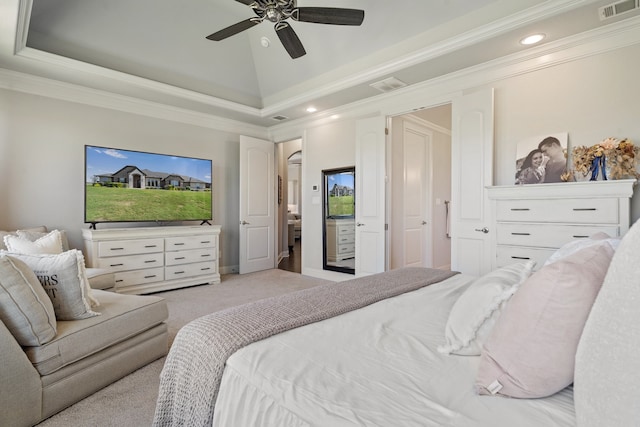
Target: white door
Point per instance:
(257, 204)
(471, 171)
(370, 196)
(416, 188)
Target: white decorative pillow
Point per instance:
(25, 308)
(473, 315)
(574, 246)
(64, 279)
(50, 243)
(33, 235)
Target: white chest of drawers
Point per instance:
(533, 221)
(152, 259)
(341, 239)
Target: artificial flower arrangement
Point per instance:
(616, 158)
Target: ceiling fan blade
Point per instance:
(329, 15)
(290, 40)
(247, 2)
(233, 29)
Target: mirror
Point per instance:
(339, 234)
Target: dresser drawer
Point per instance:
(548, 235)
(506, 255)
(189, 242)
(579, 211)
(190, 270)
(132, 262)
(187, 257)
(139, 277)
(129, 247)
(346, 248)
(346, 238)
(346, 229)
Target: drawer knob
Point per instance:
(484, 230)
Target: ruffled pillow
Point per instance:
(50, 243)
(473, 315)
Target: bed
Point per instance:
(387, 363)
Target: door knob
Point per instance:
(359, 224)
(424, 222)
(243, 222)
(484, 230)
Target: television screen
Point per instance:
(131, 186)
(339, 190)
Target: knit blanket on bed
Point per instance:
(193, 370)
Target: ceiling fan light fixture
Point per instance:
(532, 39)
(311, 109)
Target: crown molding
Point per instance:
(445, 88)
(41, 86)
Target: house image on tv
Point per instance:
(340, 190)
(132, 177)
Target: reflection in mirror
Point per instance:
(339, 209)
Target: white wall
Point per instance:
(324, 147)
(42, 161)
(591, 99)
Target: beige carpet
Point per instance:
(131, 401)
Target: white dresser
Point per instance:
(341, 239)
(532, 221)
(151, 259)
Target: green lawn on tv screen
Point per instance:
(133, 204)
(341, 206)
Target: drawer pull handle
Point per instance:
(206, 241)
(150, 277)
(178, 258)
(205, 255)
(116, 249)
(580, 237)
(521, 234)
(151, 246)
(179, 272)
(205, 268)
(519, 209)
(119, 280)
(149, 261)
(116, 265)
(520, 257)
(585, 209)
(178, 244)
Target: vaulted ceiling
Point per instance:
(156, 50)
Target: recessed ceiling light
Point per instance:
(532, 39)
(265, 42)
(311, 109)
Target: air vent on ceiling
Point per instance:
(388, 84)
(617, 8)
(279, 118)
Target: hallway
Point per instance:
(294, 261)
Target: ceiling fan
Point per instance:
(278, 11)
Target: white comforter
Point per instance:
(377, 366)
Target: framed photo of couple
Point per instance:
(541, 159)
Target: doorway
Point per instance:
(291, 208)
(419, 160)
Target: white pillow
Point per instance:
(50, 243)
(475, 312)
(64, 278)
(33, 235)
(574, 246)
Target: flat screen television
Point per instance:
(340, 192)
(134, 186)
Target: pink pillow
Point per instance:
(531, 350)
